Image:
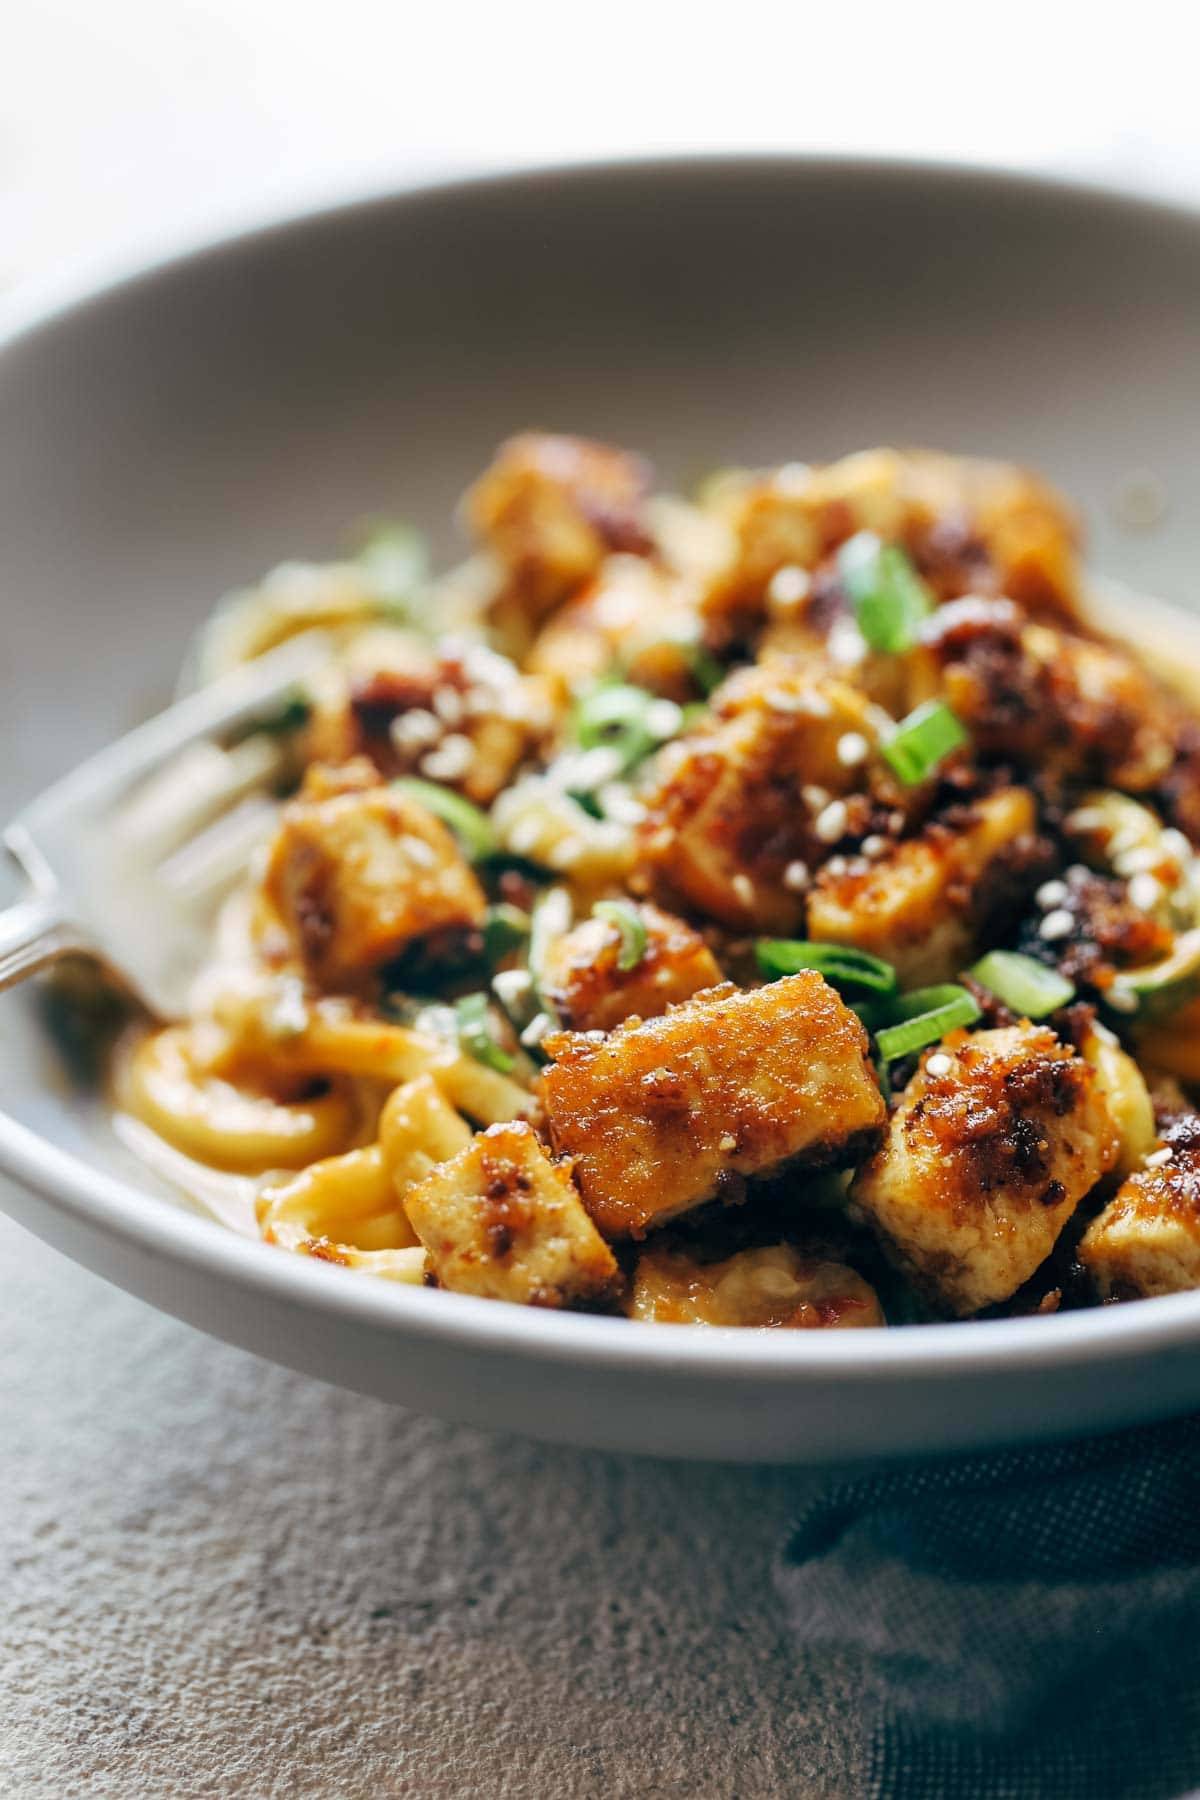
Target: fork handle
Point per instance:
(33, 934)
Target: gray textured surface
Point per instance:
(220, 1578)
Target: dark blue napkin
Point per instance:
(1026, 1625)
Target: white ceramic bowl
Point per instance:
(175, 433)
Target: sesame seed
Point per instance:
(664, 718)
(511, 986)
(418, 851)
(815, 798)
(837, 865)
(780, 700)
(1176, 845)
(1137, 861)
(415, 728)
(536, 1030)
(1144, 892)
(938, 1064)
(846, 644)
(795, 876)
(447, 704)
(1057, 924)
(566, 852)
(852, 749)
(728, 1143)
(1087, 818)
(1051, 893)
(788, 587)
(743, 887)
(618, 801)
(830, 823)
(1158, 1159)
(1120, 1000)
(874, 845)
(452, 758)
(525, 836)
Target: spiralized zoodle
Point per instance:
(778, 909)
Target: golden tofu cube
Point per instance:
(358, 871)
(552, 508)
(501, 1219)
(972, 526)
(1147, 1239)
(925, 905)
(663, 1115)
(998, 1137)
(588, 989)
(741, 809)
(775, 1284)
(636, 616)
(1042, 696)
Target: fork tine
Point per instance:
(185, 792)
(234, 699)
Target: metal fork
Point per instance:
(126, 856)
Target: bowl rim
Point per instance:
(145, 1221)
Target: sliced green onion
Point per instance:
(841, 964)
(888, 596)
(923, 1017)
(625, 719)
(1023, 983)
(631, 926)
(476, 1035)
(472, 828)
(1163, 985)
(922, 740)
(504, 929)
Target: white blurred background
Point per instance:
(124, 122)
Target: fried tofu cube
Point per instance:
(454, 712)
(663, 1115)
(359, 871)
(740, 810)
(924, 905)
(998, 1137)
(1044, 697)
(588, 989)
(775, 1284)
(635, 615)
(501, 1219)
(1147, 1239)
(971, 526)
(552, 508)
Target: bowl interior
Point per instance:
(180, 433)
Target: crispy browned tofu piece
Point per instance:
(971, 526)
(740, 811)
(501, 1219)
(925, 904)
(998, 1137)
(1043, 697)
(636, 615)
(775, 1284)
(590, 992)
(455, 712)
(1147, 1239)
(358, 871)
(663, 1115)
(552, 508)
